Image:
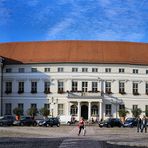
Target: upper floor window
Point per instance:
(20, 87)
(74, 86)
(60, 86)
(121, 70)
(8, 70)
(74, 69)
(94, 69)
(60, 69)
(84, 69)
(135, 71)
(108, 87)
(46, 87)
(121, 87)
(146, 88)
(107, 70)
(33, 69)
(21, 70)
(135, 88)
(33, 87)
(8, 87)
(46, 69)
(94, 86)
(84, 86)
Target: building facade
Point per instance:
(84, 85)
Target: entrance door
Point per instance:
(84, 111)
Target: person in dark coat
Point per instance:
(144, 124)
(138, 124)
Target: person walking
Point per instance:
(138, 124)
(144, 124)
(81, 126)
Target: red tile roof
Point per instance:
(76, 51)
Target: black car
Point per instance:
(50, 122)
(130, 122)
(27, 121)
(110, 122)
(7, 120)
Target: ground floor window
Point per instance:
(108, 109)
(8, 109)
(73, 110)
(21, 106)
(60, 109)
(94, 110)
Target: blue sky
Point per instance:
(37, 20)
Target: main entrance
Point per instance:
(84, 111)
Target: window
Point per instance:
(74, 86)
(60, 87)
(60, 69)
(33, 87)
(84, 69)
(73, 110)
(108, 109)
(146, 71)
(21, 70)
(46, 69)
(8, 87)
(135, 71)
(8, 70)
(121, 70)
(60, 109)
(108, 87)
(107, 70)
(46, 87)
(135, 88)
(135, 107)
(20, 87)
(74, 69)
(84, 86)
(33, 105)
(94, 110)
(94, 86)
(94, 69)
(121, 88)
(33, 69)
(146, 88)
(21, 106)
(46, 106)
(8, 109)
(121, 106)
(146, 108)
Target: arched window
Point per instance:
(94, 110)
(73, 110)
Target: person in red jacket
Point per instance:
(81, 126)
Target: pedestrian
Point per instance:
(144, 124)
(81, 126)
(138, 124)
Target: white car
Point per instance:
(67, 119)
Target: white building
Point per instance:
(82, 78)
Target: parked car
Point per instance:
(110, 122)
(7, 120)
(67, 119)
(130, 122)
(25, 120)
(50, 122)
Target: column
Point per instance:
(68, 108)
(89, 110)
(79, 110)
(100, 110)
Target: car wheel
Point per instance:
(1, 124)
(22, 124)
(58, 125)
(47, 125)
(35, 124)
